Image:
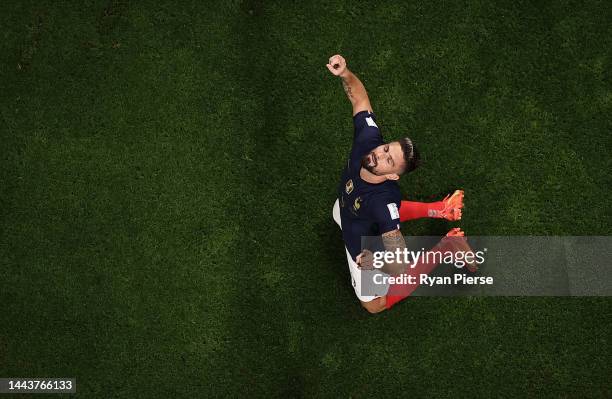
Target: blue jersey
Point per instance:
(366, 209)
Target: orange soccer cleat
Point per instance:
(453, 203)
(456, 241)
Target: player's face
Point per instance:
(386, 159)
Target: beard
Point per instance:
(369, 162)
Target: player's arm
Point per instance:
(394, 240)
(354, 89)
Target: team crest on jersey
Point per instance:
(357, 204)
(349, 186)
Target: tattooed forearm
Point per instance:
(347, 89)
(354, 90)
(394, 240)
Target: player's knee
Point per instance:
(375, 306)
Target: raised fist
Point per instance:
(337, 64)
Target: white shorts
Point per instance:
(356, 273)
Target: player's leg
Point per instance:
(370, 297)
(453, 242)
(449, 208)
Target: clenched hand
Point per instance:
(337, 64)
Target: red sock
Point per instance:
(397, 292)
(410, 210)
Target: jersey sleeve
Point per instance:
(366, 128)
(385, 212)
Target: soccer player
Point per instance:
(369, 200)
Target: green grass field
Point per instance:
(167, 174)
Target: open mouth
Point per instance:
(372, 161)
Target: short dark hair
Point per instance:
(411, 155)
